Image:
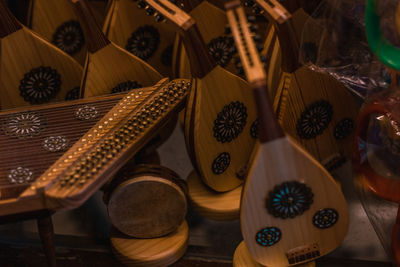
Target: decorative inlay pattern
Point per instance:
(314, 119)
(325, 218)
(268, 236)
(222, 49)
(55, 143)
(24, 125)
(20, 175)
(86, 113)
(40, 85)
(221, 163)
(343, 129)
(144, 42)
(230, 122)
(254, 129)
(289, 200)
(73, 94)
(94, 158)
(69, 37)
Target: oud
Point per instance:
(56, 21)
(218, 38)
(292, 210)
(220, 120)
(109, 68)
(132, 26)
(309, 104)
(32, 71)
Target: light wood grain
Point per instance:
(303, 87)
(214, 90)
(299, 167)
(156, 252)
(113, 65)
(211, 96)
(126, 18)
(47, 15)
(211, 204)
(23, 51)
(242, 258)
(278, 232)
(204, 13)
(107, 64)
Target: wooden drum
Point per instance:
(147, 201)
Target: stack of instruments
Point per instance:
(92, 88)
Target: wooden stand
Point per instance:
(46, 233)
(242, 258)
(210, 204)
(153, 252)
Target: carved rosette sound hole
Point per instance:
(55, 143)
(126, 86)
(268, 236)
(343, 129)
(20, 175)
(69, 37)
(40, 85)
(166, 56)
(72, 94)
(230, 122)
(144, 42)
(24, 125)
(222, 49)
(254, 129)
(289, 200)
(314, 120)
(221, 163)
(325, 218)
(86, 113)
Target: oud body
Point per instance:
(132, 28)
(56, 21)
(109, 68)
(292, 210)
(309, 103)
(32, 71)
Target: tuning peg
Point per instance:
(249, 3)
(159, 17)
(150, 11)
(142, 4)
(257, 10)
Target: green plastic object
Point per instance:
(387, 53)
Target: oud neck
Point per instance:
(8, 23)
(283, 23)
(94, 36)
(269, 128)
(201, 62)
